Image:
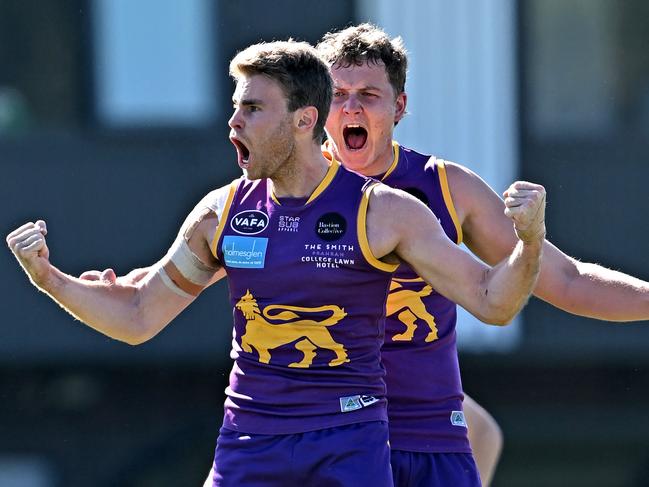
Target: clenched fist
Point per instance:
(28, 245)
(525, 205)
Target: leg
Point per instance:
(355, 454)
(430, 321)
(308, 349)
(409, 319)
(264, 354)
(341, 356)
(209, 481)
(250, 460)
(486, 439)
(419, 469)
(323, 340)
(245, 345)
(351, 455)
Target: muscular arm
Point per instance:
(136, 275)
(577, 287)
(132, 313)
(399, 225)
(131, 310)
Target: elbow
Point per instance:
(498, 316)
(501, 312)
(136, 334)
(142, 332)
(504, 315)
(503, 320)
(136, 339)
(143, 326)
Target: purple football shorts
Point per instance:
(416, 469)
(355, 454)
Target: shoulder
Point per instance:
(409, 152)
(461, 180)
(216, 200)
(413, 159)
(397, 221)
(469, 191)
(460, 176)
(394, 205)
(205, 216)
(388, 215)
(381, 194)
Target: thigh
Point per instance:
(416, 469)
(356, 454)
(242, 460)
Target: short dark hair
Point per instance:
(299, 70)
(366, 43)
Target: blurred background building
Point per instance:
(113, 125)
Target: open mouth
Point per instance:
(355, 137)
(243, 153)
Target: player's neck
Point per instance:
(379, 165)
(302, 174)
(382, 163)
(376, 166)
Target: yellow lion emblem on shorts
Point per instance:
(309, 335)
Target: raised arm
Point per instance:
(131, 310)
(400, 226)
(136, 275)
(580, 288)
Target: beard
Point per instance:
(275, 153)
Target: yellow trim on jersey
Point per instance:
(361, 225)
(395, 160)
(414, 279)
(446, 192)
(223, 217)
(326, 181)
(331, 172)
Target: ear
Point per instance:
(306, 118)
(400, 107)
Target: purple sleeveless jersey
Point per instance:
(306, 344)
(420, 354)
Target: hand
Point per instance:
(28, 245)
(525, 205)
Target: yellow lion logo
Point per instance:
(411, 308)
(309, 335)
